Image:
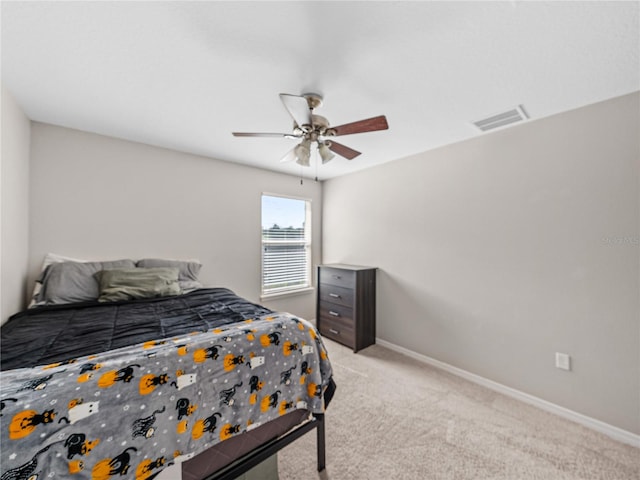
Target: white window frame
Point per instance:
(293, 289)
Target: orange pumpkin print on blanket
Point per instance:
(314, 390)
(147, 466)
(202, 354)
(270, 339)
(289, 347)
(284, 406)
(182, 427)
(206, 425)
(148, 383)
(25, 422)
(76, 466)
(270, 401)
(229, 430)
(230, 361)
(112, 376)
(118, 465)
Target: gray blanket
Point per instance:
(129, 412)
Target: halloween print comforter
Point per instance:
(205, 367)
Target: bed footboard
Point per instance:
(253, 458)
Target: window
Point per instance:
(286, 244)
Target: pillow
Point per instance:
(70, 282)
(188, 270)
(132, 283)
(48, 260)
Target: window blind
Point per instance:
(286, 262)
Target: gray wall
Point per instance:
(14, 212)
(497, 252)
(95, 197)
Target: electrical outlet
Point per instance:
(563, 361)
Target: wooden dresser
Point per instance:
(346, 306)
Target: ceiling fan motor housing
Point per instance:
(314, 100)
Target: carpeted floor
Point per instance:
(396, 418)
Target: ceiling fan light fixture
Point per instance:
(326, 154)
(303, 161)
(303, 152)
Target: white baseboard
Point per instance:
(614, 432)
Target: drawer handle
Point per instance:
(335, 332)
(334, 314)
(337, 277)
(334, 295)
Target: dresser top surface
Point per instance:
(347, 267)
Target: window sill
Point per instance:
(287, 293)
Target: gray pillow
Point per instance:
(70, 282)
(48, 260)
(188, 270)
(133, 283)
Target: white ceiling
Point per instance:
(184, 75)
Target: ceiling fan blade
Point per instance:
(343, 150)
(290, 156)
(298, 108)
(368, 125)
(279, 135)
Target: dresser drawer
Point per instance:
(336, 331)
(336, 276)
(337, 313)
(337, 295)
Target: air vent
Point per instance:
(498, 120)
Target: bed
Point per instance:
(128, 387)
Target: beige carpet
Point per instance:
(396, 418)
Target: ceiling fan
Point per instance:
(312, 128)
